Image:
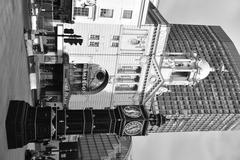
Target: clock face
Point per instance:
(133, 128)
(132, 111)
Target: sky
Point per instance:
(196, 145)
(225, 13)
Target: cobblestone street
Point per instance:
(14, 81)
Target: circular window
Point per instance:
(100, 75)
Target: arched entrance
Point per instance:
(87, 78)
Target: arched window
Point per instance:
(87, 78)
(134, 41)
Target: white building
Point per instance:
(125, 48)
(123, 52)
(120, 63)
(131, 12)
(126, 65)
(121, 59)
(128, 52)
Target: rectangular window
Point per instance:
(50, 41)
(63, 155)
(116, 38)
(93, 44)
(180, 75)
(94, 37)
(107, 13)
(129, 69)
(126, 87)
(115, 44)
(78, 11)
(127, 14)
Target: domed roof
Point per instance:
(203, 69)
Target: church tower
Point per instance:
(175, 69)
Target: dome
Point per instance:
(203, 69)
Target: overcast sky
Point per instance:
(225, 13)
(204, 145)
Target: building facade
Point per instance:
(53, 68)
(212, 104)
(121, 54)
(114, 56)
(133, 12)
(96, 147)
(119, 64)
(127, 56)
(107, 12)
(115, 61)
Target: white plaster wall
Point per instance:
(118, 6)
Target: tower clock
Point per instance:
(135, 120)
(26, 124)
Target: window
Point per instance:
(50, 41)
(126, 87)
(129, 69)
(107, 13)
(134, 41)
(94, 37)
(115, 41)
(116, 38)
(181, 76)
(78, 11)
(128, 78)
(115, 44)
(63, 155)
(94, 40)
(93, 44)
(127, 14)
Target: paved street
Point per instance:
(14, 79)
